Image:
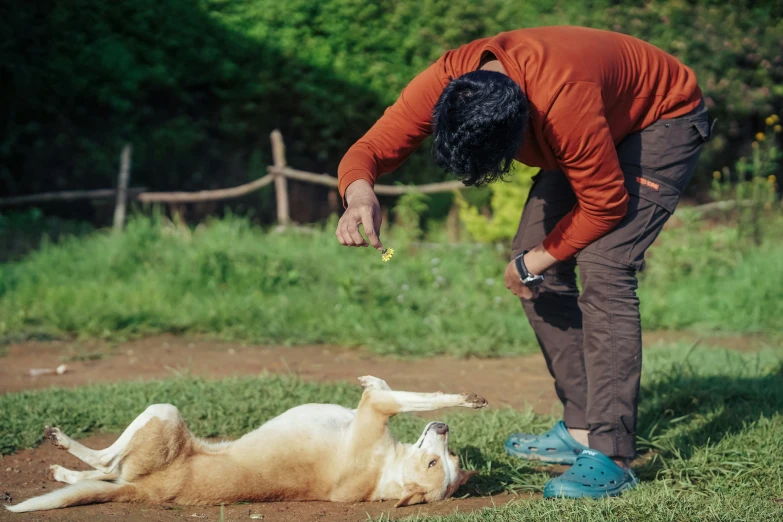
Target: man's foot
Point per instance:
(593, 475)
(556, 446)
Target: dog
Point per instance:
(311, 452)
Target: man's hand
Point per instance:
(363, 209)
(514, 283)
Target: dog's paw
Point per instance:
(60, 474)
(56, 437)
(373, 383)
(475, 401)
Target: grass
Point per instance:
(236, 281)
(711, 422)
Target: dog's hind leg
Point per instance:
(85, 492)
(61, 474)
(83, 453)
(108, 459)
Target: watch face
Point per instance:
(533, 281)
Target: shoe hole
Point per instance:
(601, 485)
(591, 467)
(580, 465)
(611, 482)
(515, 444)
(551, 450)
(533, 448)
(602, 473)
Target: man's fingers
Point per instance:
(352, 231)
(370, 229)
(343, 232)
(340, 237)
(348, 232)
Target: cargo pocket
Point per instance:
(650, 204)
(703, 127)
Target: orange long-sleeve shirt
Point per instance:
(587, 89)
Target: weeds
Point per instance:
(236, 281)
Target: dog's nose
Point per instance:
(441, 428)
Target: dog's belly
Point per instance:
(318, 422)
(295, 456)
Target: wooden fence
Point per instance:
(278, 173)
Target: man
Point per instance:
(616, 126)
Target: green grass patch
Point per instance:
(710, 421)
(236, 281)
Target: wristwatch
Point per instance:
(528, 279)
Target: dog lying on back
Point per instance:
(310, 452)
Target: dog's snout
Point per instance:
(441, 428)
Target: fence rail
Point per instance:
(278, 174)
(67, 195)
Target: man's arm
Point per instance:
(579, 135)
(400, 131)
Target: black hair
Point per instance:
(479, 124)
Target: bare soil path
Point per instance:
(513, 381)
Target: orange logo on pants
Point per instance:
(648, 183)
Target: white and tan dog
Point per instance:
(311, 452)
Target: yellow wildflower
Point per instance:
(387, 254)
(770, 120)
(778, 128)
(760, 136)
(716, 175)
(772, 179)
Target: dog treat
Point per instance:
(387, 254)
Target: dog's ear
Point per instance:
(411, 497)
(464, 476)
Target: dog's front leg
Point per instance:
(379, 402)
(391, 402)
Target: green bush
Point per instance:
(504, 208)
(198, 85)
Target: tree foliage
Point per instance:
(197, 85)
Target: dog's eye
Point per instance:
(451, 453)
(433, 463)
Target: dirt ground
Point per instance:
(517, 382)
(514, 381)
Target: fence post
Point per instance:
(281, 185)
(122, 188)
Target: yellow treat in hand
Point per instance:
(387, 254)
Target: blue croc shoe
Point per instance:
(594, 475)
(556, 446)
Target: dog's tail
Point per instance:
(84, 492)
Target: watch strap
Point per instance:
(520, 264)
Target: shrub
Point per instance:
(198, 85)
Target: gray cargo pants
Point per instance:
(592, 342)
